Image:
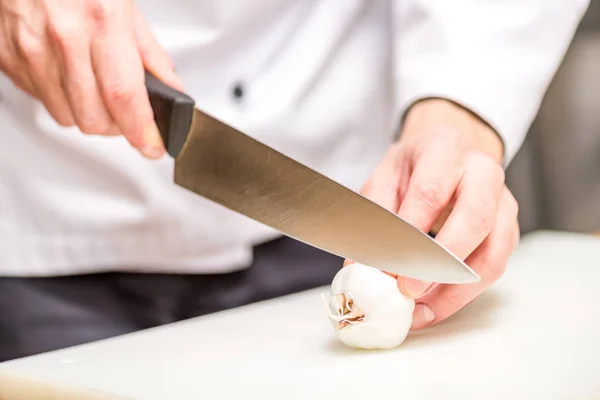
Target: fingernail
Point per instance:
(422, 316)
(152, 152)
(414, 288)
(154, 147)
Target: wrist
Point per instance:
(432, 113)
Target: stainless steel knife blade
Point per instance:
(236, 171)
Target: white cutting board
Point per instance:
(534, 335)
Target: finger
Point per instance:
(154, 57)
(432, 184)
(44, 75)
(416, 289)
(71, 42)
(384, 187)
(417, 207)
(120, 77)
(488, 260)
(475, 208)
(437, 225)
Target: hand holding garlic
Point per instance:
(444, 175)
(367, 309)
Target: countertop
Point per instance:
(534, 334)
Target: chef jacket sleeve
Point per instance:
(493, 57)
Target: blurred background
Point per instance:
(556, 175)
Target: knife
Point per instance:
(230, 168)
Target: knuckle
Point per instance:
(451, 136)
(477, 159)
(101, 11)
(64, 34)
(30, 47)
(482, 162)
(431, 194)
(121, 92)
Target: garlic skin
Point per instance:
(366, 308)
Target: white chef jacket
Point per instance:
(324, 81)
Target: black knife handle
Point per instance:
(173, 111)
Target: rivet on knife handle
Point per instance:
(173, 113)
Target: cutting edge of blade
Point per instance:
(469, 272)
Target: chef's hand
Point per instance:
(85, 60)
(445, 174)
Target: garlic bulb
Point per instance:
(367, 309)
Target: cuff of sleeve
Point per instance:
(508, 110)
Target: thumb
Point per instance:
(154, 57)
